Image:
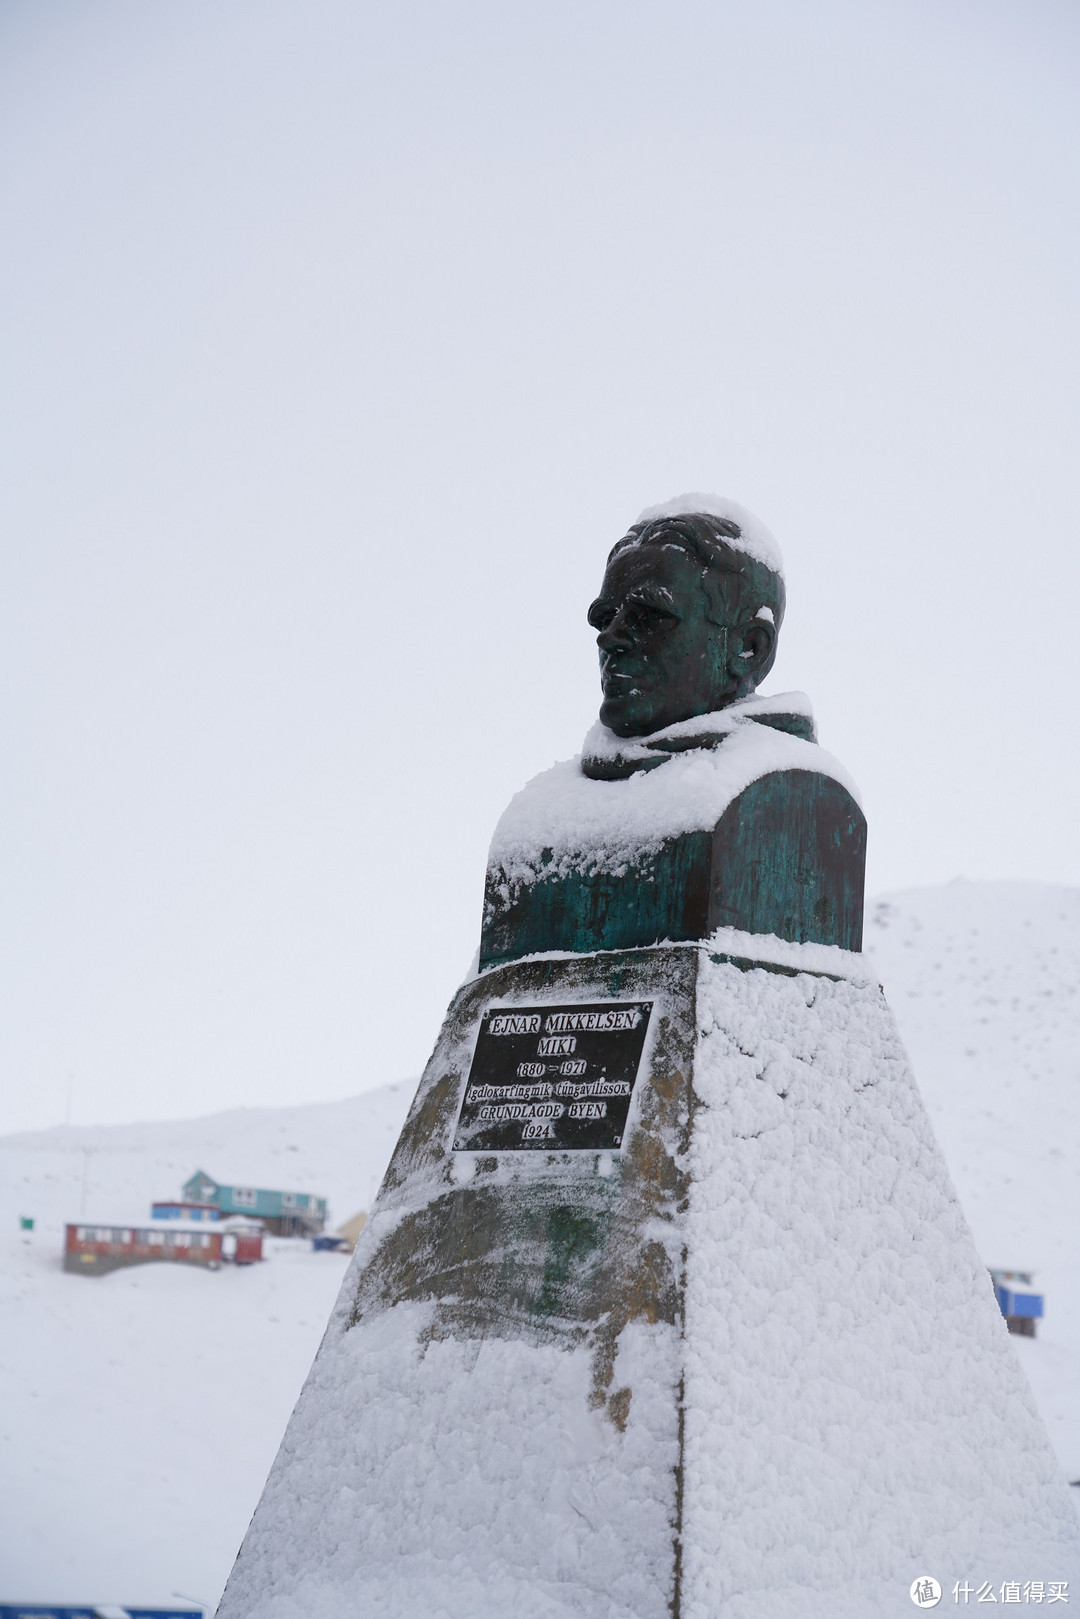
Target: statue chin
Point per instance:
(637, 715)
(629, 716)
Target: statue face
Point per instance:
(661, 660)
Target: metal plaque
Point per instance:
(556, 1078)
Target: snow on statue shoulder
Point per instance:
(696, 804)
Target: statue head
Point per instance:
(687, 615)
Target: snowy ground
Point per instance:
(139, 1412)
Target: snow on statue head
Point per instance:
(688, 613)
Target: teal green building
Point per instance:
(286, 1214)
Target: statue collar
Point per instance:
(607, 757)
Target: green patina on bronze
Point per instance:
(786, 857)
(687, 625)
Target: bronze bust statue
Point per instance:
(687, 622)
(696, 804)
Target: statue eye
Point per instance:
(645, 617)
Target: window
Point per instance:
(125, 1238)
(155, 1238)
(81, 1234)
(245, 1196)
(288, 1200)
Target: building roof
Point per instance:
(170, 1227)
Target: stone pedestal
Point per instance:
(722, 1353)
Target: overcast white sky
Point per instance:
(341, 341)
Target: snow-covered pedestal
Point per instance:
(747, 1363)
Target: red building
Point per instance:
(93, 1250)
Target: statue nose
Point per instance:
(615, 637)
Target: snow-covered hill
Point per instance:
(140, 1411)
(985, 981)
(337, 1149)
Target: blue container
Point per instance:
(1024, 1306)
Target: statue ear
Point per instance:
(750, 647)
